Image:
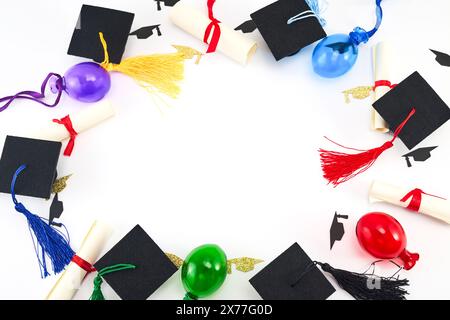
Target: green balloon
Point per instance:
(204, 271)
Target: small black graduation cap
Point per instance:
(282, 38)
(421, 154)
(413, 92)
(56, 210)
(167, 3)
(146, 32)
(442, 58)
(340, 47)
(40, 157)
(153, 267)
(337, 229)
(246, 27)
(114, 24)
(292, 276)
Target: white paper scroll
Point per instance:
(382, 66)
(430, 205)
(71, 279)
(232, 43)
(89, 117)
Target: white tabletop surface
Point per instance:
(233, 160)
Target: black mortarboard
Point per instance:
(114, 24)
(153, 267)
(286, 39)
(337, 229)
(413, 92)
(421, 154)
(246, 27)
(56, 210)
(146, 32)
(442, 58)
(40, 157)
(167, 3)
(292, 276)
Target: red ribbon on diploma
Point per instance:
(83, 264)
(66, 122)
(212, 27)
(416, 199)
(383, 83)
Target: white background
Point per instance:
(234, 160)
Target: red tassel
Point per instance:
(339, 167)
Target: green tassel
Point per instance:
(97, 293)
(189, 296)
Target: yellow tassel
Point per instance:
(360, 93)
(156, 73)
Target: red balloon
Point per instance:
(384, 238)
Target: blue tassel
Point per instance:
(315, 12)
(48, 242)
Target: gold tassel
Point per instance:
(360, 93)
(155, 73)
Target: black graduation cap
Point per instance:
(167, 3)
(292, 276)
(153, 267)
(146, 32)
(413, 92)
(442, 58)
(114, 24)
(40, 157)
(421, 154)
(56, 210)
(286, 39)
(337, 229)
(246, 27)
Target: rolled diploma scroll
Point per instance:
(381, 58)
(431, 206)
(89, 117)
(71, 279)
(231, 43)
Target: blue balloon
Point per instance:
(334, 56)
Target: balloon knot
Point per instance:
(359, 35)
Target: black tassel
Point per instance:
(367, 287)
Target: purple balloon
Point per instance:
(87, 82)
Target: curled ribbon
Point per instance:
(54, 80)
(67, 123)
(213, 27)
(383, 83)
(416, 199)
(83, 264)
